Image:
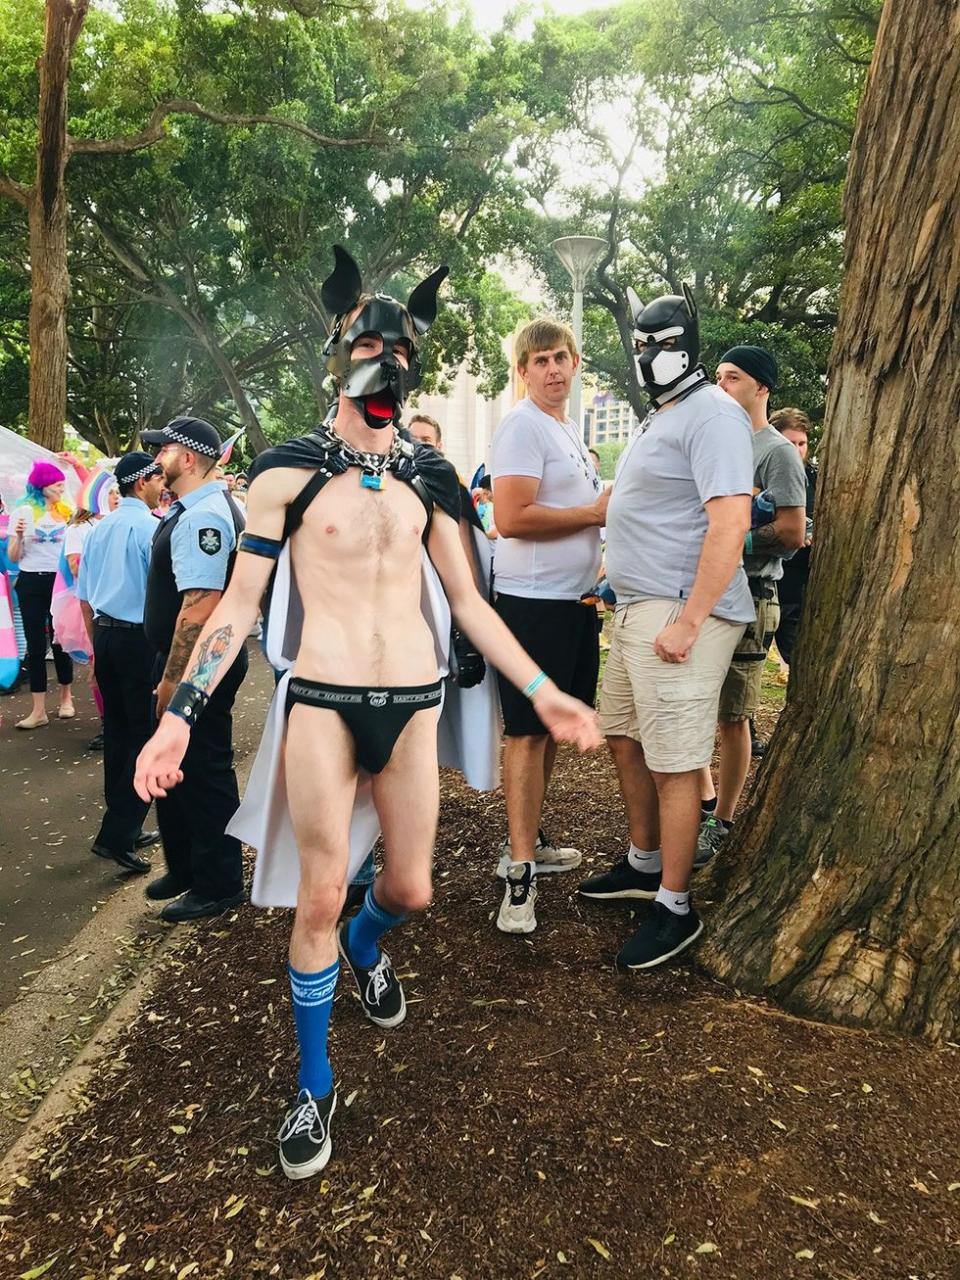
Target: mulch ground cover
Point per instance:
(536, 1115)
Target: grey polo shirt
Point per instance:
(690, 452)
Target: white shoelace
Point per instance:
(378, 979)
(301, 1120)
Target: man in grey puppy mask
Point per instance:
(678, 513)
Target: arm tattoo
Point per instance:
(185, 636)
(766, 540)
(209, 656)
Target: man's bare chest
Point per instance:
(351, 518)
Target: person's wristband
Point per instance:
(530, 689)
(187, 702)
(748, 542)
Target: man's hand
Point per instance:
(674, 642)
(568, 719)
(600, 506)
(163, 693)
(20, 526)
(158, 765)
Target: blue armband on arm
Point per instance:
(257, 545)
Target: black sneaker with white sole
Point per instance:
(621, 881)
(305, 1141)
(662, 936)
(380, 991)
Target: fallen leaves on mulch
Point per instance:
(536, 1115)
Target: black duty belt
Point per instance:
(104, 620)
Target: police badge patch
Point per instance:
(210, 541)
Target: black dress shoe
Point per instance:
(191, 906)
(96, 744)
(127, 859)
(146, 838)
(164, 887)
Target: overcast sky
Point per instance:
(489, 14)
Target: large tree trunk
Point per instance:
(842, 887)
(47, 212)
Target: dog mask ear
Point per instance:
(342, 288)
(422, 303)
(636, 306)
(690, 300)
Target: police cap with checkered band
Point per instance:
(192, 433)
(136, 466)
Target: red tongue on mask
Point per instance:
(380, 406)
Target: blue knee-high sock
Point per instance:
(312, 1002)
(366, 928)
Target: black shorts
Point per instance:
(561, 637)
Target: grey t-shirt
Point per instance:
(690, 452)
(777, 467)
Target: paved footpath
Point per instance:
(50, 804)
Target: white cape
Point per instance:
(468, 740)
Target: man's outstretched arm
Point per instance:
(158, 765)
(567, 719)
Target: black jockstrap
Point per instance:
(375, 717)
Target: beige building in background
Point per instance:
(467, 419)
(607, 420)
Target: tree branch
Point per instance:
(14, 190)
(845, 126)
(155, 130)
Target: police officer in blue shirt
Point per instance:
(111, 589)
(193, 554)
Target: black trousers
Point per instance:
(788, 628)
(123, 661)
(193, 815)
(34, 593)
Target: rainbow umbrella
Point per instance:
(93, 495)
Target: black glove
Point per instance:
(471, 667)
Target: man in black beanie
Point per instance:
(749, 374)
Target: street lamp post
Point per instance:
(578, 254)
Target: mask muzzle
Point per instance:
(661, 366)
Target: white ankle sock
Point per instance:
(641, 860)
(678, 903)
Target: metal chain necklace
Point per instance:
(372, 465)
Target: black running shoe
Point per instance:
(380, 991)
(305, 1141)
(621, 881)
(662, 936)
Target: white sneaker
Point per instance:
(519, 899)
(548, 857)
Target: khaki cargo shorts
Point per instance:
(669, 708)
(740, 695)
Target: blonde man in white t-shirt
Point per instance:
(550, 507)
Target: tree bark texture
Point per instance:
(841, 887)
(47, 215)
